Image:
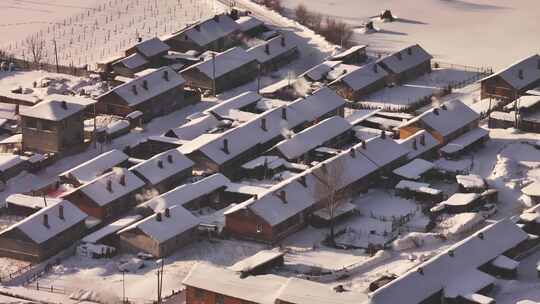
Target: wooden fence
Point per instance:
(22, 64)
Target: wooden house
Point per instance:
(165, 170)
(274, 53)
(108, 196)
(107, 235)
(12, 165)
(160, 234)
(406, 64)
(95, 167)
(446, 122)
(421, 145)
(360, 82)
(152, 50)
(53, 126)
(532, 191)
(512, 82)
(44, 233)
(251, 26)
(156, 93)
(26, 205)
(214, 34)
(354, 55)
(223, 71)
(130, 65)
(18, 99)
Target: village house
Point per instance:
(512, 82)
(353, 55)
(130, 65)
(26, 205)
(417, 169)
(165, 170)
(222, 71)
(152, 50)
(215, 34)
(406, 64)
(107, 235)
(421, 145)
(44, 233)
(107, 196)
(53, 127)
(331, 132)
(361, 82)
(321, 104)
(250, 26)
(446, 122)
(421, 192)
(274, 53)
(97, 166)
(12, 165)
(160, 234)
(319, 73)
(533, 192)
(453, 276)
(27, 100)
(9, 118)
(157, 93)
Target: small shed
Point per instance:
(415, 170)
(260, 263)
(471, 183)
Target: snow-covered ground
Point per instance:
(475, 32)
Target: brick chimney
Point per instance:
(145, 84)
(409, 51)
(283, 196)
(283, 42)
(423, 139)
(122, 180)
(302, 181)
(284, 113)
(61, 212)
(520, 74)
(166, 75)
(226, 146)
(46, 220)
(267, 49)
(170, 159)
(158, 216)
(436, 111)
(364, 145)
(352, 151)
(263, 124)
(64, 105)
(160, 164)
(134, 89)
(109, 185)
(399, 56)
(414, 144)
(167, 212)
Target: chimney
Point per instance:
(170, 159)
(398, 55)
(263, 124)
(363, 144)
(160, 164)
(64, 105)
(158, 216)
(283, 43)
(122, 180)
(383, 134)
(375, 68)
(134, 89)
(414, 144)
(166, 75)
(423, 139)
(198, 27)
(481, 235)
(451, 253)
(139, 39)
(61, 212)
(409, 51)
(145, 84)
(226, 146)
(436, 111)
(284, 113)
(17, 109)
(520, 74)
(216, 18)
(267, 49)
(444, 107)
(167, 212)
(283, 196)
(324, 168)
(303, 181)
(109, 185)
(352, 152)
(46, 220)
(420, 270)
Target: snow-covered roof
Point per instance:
(382, 151)
(530, 72)
(8, 161)
(301, 291)
(111, 228)
(224, 63)
(235, 103)
(415, 169)
(261, 289)
(422, 145)
(343, 54)
(405, 59)
(465, 140)
(247, 23)
(162, 166)
(245, 189)
(461, 199)
(313, 137)
(456, 116)
(524, 102)
(133, 61)
(95, 167)
(319, 103)
(195, 127)
(97, 190)
(276, 47)
(27, 98)
(505, 262)
(445, 271)
(471, 181)
(117, 126)
(318, 72)
(33, 226)
(151, 47)
(75, 99)
(270, 161)
(418, 187)
(178, 221)
(54, 110)
(8, 111)
(187, 193)
(363, 77)
(358, 116)
(34, 202)
(209, 30)
(156, 82)
(532, 189)
(260, 258)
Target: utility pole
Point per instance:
(123, 288)
(160, 280)
(214, 74)
(259, 78)
(56, 56)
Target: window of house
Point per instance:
(220, 299)
(47, 125)
(259, 228)
(199, 294)
(31, 123)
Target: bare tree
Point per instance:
(36, 47)
(328, 189)
(302, 14)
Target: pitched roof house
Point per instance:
(151, 50)
(406, 64)
(274, 53)
(358, 83)
(91, 169)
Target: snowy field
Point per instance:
(474, 32)
(88, 31)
